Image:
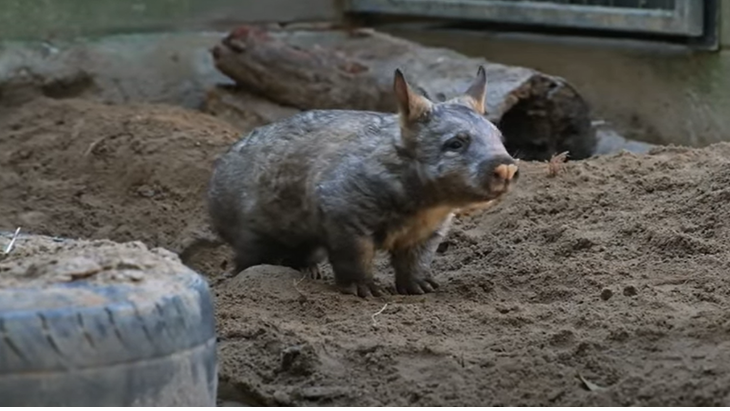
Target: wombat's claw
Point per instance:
(313, 272)
(363, 290)
(417, 286)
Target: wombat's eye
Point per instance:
(457, 143)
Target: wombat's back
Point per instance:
(267, 180)
(318, 134)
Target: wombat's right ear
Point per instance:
(477, 91)
(411, 106)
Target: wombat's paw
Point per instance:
(313, 272)
(416, 286)
(364, 290)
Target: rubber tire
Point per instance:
(126, 351)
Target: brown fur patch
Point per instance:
(366, 252)
(470, 102)
(477, 105)
(417, 229)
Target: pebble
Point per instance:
(630, 291)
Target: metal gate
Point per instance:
(665, 17)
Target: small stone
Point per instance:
(135, 275)
(146, 191)
(77, 268)
(282, 398)
(606, 294)
(319, 393)
(630, 291)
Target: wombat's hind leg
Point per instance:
(312, 272)
(306, 260)
(352, 262)
(251, 250)
(247, 258)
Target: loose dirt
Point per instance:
(604, 285)
(40, 261)
(77, 168)
(54, 265)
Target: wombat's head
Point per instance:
(458, 151)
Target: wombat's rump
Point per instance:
(343, 184)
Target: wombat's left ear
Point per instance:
(411, 105)
(477, 91)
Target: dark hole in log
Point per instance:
(520, 131)
(536, 128)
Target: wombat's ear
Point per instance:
(411, 105)
(477, 91)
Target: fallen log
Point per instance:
(540, 115)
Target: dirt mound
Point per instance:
(76, 168)
(615, 271)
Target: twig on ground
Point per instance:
(555, 165)
(10, 246)
(96, 142)
(589, 385)
(296, 286)
(375, 323)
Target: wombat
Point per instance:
(343, 184)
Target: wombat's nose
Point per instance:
(505, 169)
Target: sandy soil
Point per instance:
(615, 271)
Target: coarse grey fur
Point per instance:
(343, 184)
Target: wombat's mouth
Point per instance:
(497, 194)
(483, 202)
(486, 195)
(487, 191)
(498, 190)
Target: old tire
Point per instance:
(83, 344)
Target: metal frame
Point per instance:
(686, 19)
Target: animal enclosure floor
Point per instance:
(605, 285)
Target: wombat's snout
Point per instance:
(501, 172)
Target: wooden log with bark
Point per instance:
(540, 115)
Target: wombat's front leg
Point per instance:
(413, 265)
(351, 258)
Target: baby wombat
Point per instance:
(342, 184)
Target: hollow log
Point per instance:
(539, 115)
